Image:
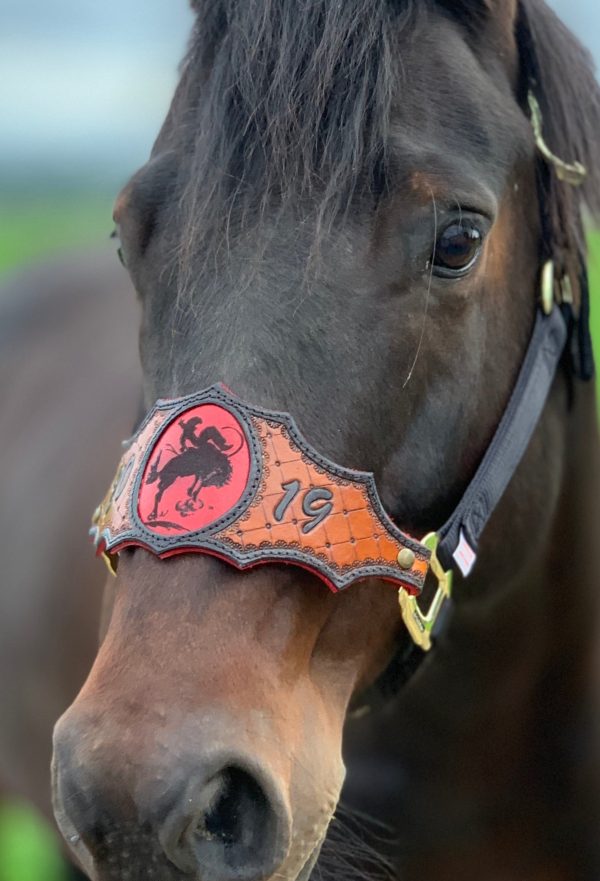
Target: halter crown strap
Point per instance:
(459, 537)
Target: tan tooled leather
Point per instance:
(211, 474)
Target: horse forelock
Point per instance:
(287, 104)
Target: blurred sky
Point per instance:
(84, 84)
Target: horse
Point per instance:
(348, 216)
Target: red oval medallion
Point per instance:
(197, 471)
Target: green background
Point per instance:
(30, 230)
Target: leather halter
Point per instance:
(260, 493)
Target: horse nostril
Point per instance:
(228, 828)
(239, 812)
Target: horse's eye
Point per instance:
(457, 249)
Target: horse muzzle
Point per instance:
(181, 812)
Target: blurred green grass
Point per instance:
(31, 230)
(28, 850)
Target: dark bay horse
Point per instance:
(345, 217)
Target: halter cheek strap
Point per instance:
(456, 543)
(459, 537)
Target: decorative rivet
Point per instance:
(406, 558)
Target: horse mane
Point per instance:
(560, 73)
(563, 79)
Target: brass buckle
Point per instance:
(420, 625)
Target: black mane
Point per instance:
(560, 72)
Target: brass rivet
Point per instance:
(406, 558)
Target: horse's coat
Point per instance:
(281, 241)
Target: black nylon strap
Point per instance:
(510, 441)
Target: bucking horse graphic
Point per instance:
(204, 456)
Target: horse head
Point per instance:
(341, 219)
